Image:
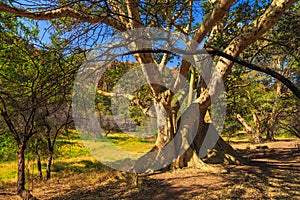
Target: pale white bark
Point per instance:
(219, 11)
(250, 34)
(133, 13)
(117, 8)
(247, 127)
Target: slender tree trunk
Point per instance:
(191, 86)
(49, 163)
(271, 124)
(38, 160)
(24, 194)
(257, 133)
(39, 165)
(21, 168)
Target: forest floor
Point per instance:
(272, 172)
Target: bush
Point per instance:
(8, 147)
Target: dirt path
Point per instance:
(273, 172)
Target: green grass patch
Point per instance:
(72, 157)
(8, 172)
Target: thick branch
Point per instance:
(248, 128)
(133, 13)
(60, 13)
(250, 34)
(267, 70)
(219, 11)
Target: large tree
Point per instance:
(84, 22)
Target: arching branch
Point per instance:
(62, 12)
(266, 70)
(251, 33)
(289, 84)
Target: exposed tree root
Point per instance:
(223, 153)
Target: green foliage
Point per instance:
(108, 81)
(8, 147)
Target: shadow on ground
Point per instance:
(271, 173)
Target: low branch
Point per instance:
(135, 100)
(112, 94)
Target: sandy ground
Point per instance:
(272, 172)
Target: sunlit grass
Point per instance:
(71, 156)
(8, 172)
(131, 144)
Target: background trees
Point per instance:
(35, 84)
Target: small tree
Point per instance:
(32, 80)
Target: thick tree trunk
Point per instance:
(274, 114)
(185, 159)
(190, 145)
(204, 146)
(223, 153)
(162, 126)
(271, 125)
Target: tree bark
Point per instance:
(202, 151)
(255, 133)
(39, 165)
(21, 191)
(271, 124)
(48, 168)
(21, 168)
(275, 113)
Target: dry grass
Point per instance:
(272, 173)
